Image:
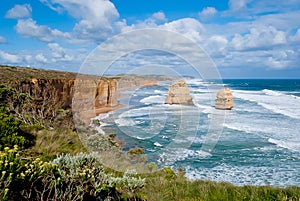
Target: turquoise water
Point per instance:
(259, 143)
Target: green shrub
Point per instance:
(92, 178)
(10, 132)
(67, 177)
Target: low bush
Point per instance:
(67, 177)
(10, 131)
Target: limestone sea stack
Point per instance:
(179, 93)
(224, 100)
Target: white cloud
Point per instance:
(216, 45)
(59, 53)
(207, 13)
(267, 6)
(9, 58)
(2, 39)
(153, 21)
(19, 11)
(189, 27)
(41, 58)
(159, 16)
(283, 21)
(29, 28)
(281, 59)
(260, 37)
(238, 5)
(98, 19)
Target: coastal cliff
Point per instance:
(55, 92)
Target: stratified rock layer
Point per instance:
(179, 93)
(84, 95)
(224, 100)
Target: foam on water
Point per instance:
(196, 82)
(199, 90)
(273, 101)
(170, 156)
(246, 175)
(139, 112)
(160, 91)
(100, 118)
(153, 99)
(125, 122)
(157, 144)
(271, 92)
(293, 146)
(243, 128)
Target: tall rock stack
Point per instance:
(179, 93)
(224, 100)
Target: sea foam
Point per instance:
(274, 101)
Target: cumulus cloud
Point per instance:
(153, 21)
(59, 53)
(207, 13)
(41, 58)
(29, 28)
(260, 37)
(98, 19)
(216, 45)
(9, 58)
(19, 11)
(159, 16)
(281, 59)
(189, 27)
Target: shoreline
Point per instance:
(107, 109)
(86, 116)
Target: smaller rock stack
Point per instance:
(179, 93)
(224, 100)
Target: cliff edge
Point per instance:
(54, 92)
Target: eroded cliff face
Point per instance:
(179, 93)
(50, 98)
(54, 94)
(59, 93)
(48, 92)
(224, 100)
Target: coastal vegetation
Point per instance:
(42, 158)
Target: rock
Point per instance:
(224, 100)
(179, 93)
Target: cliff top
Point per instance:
(10, 74)
(13, 73)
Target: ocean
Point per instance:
(259, 143)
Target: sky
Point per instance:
(244, 38)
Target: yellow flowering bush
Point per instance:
(68, 177)
(9, 168)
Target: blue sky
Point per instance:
(245, 38)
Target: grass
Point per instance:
(10, 74)
(165, 186)
(50, 143)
